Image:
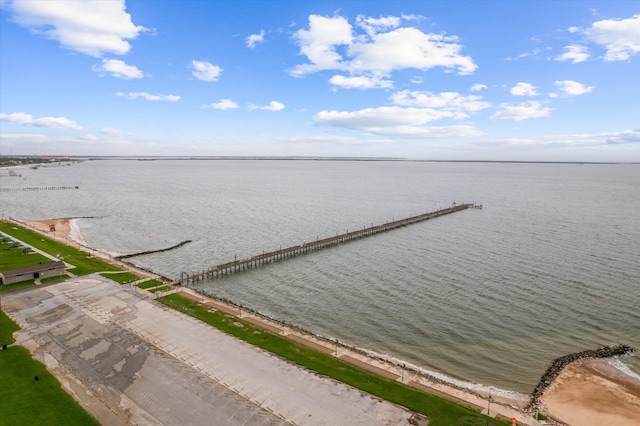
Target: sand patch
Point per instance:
(595, 393)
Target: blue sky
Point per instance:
(545, 80)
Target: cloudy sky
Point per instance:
(548, 80)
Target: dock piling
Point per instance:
(319, 244)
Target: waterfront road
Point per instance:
(130, 360)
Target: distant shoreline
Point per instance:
(4, 159)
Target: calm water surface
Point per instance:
(551, 265)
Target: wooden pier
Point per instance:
(40, 188)
(238, 265)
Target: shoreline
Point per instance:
(561, 401)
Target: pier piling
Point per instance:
(238, 265)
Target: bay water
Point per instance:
(549, 266)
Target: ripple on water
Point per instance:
(548, 267)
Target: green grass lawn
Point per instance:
(7, 328)
(55, 278)
(84, 265)
(149, 284)
(163, 288)
(14, 258)
(27, 401)
(122, 277)
(441, 411)
(9, 287)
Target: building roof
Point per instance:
(32, 269)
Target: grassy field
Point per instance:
(27, 401)
(7, 328)
(149, 284)
(14, 258)
(441, 411)
(121, 277)
(84, 264)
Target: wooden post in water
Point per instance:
(318, 244)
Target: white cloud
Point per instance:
(90, 27)
(273, 106)
(319, 44)
(621, 37)
(254, 39)
(629, 136)
(573, 29)
(224, 104)
(523, 111)
(375, 25)
(111, 131)
(478, 87)
(361, 82)
(534, 52)
(51, 122)
(395, 121)
(448, 101)
(579, 140)
(334, 140)
(119, 69)
(431, 132)
(524, 89)
(205, 71)
(148, 96)
(88, 137)
(572, 88)
(575, 54)
(409, 48)
(383, 116)
(24, 137)
(331, 43)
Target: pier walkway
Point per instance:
(238, 265)
(40, 188)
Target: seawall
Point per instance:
(559, 364)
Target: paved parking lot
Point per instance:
(131, 360)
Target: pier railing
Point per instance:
(238, 265)
(40, 188)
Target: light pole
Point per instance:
(489, 405)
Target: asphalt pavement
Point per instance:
(132, 360)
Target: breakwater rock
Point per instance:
(559, 364)
(126, 256)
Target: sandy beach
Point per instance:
(590, 392)
(62, 227)
(593, 392)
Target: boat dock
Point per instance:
(238, 265)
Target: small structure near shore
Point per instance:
(43, 270)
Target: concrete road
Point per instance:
(131, 360)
